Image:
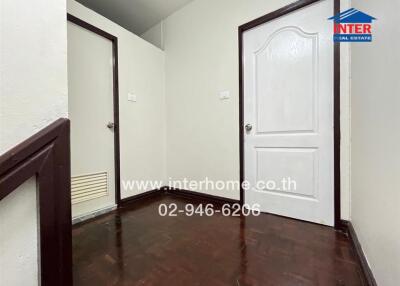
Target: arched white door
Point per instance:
(288, 110)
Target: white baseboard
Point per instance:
(93, 214)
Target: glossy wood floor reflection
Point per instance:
(136, 246)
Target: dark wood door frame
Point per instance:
(336, 102)
(46, 156)
(114, 41)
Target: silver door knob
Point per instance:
(111, 125)
(248, 127)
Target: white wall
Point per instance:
(33, 93)
(155, 35)
(33, 68)
(375, 141)
(345, 123)
(201, 47)
(19, 236)
(142, 124)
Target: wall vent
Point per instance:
(88, 187)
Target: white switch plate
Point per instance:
(223, 95)
(132, 97)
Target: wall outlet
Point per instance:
(224, 95)
(132, 97)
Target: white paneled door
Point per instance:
(90, 107)
(288, 115)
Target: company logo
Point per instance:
(352, 26)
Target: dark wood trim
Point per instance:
(146, 195)
(262, 20)
(206, 198)
(198, 196)
(90, 27)
(276, 14)
(117, 161)
(241, 114)
(46, 156)
(114, 41)
(342, 226)
(369, 276)
(336, 125)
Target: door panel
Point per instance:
(297, 163)
(289, 54)
(288, 100)
(90, 100)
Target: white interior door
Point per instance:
(90, 106)
(288, 104)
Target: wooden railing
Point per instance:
(46, 156)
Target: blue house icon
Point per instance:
(352, 16)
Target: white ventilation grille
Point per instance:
(88, 187)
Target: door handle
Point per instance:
(111, 125)
(248, 127)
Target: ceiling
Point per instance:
(135, 15)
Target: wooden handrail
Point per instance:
(46, 156)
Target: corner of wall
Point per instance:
(155, 35)
(345, 122)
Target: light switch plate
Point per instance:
(132, 97)
(223, 95)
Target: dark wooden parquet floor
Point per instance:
(135, 246)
